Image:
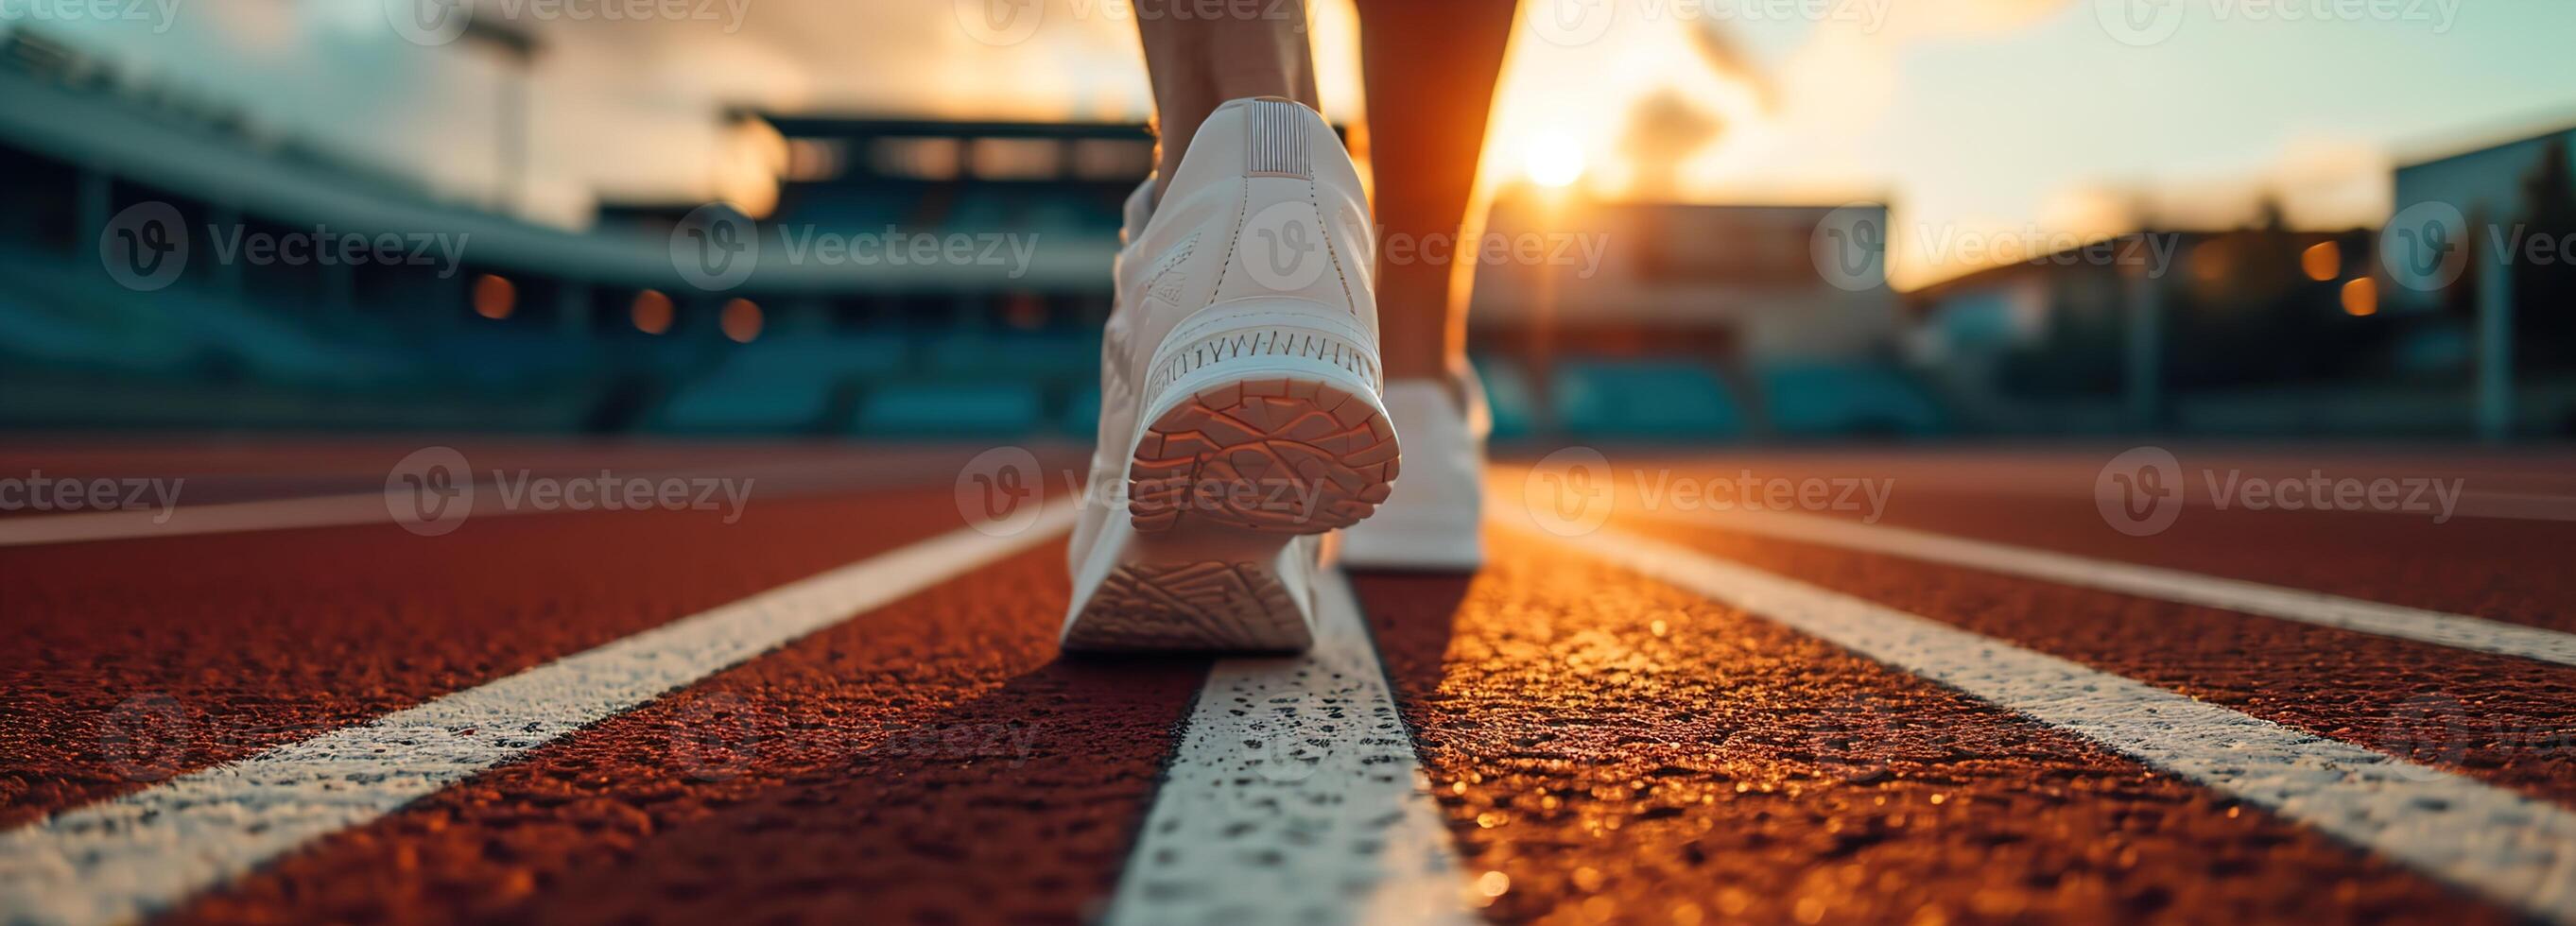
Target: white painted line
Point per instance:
(2517, 506)
(2388, 620)
(126, 858)
(220, 518)
(1295, 797)
(2515, 850)
(2045, 480)
(358, 508)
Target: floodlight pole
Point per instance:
(96, 201)
(2495, 347)
(513, 128)
(2143, 368)
(572, 309)
(514, 132)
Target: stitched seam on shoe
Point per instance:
(1315, 200)
(1265, 342)
(1234, 238)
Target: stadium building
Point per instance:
(915, 279)
(1689, 321)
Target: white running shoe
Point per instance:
(1435, 523)
(1244, 341)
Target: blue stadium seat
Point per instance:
(1082, 414)
(33, 331)
(875, 354)
(844, 210)
(949, 409)
(970, 354)
(496, 359)
(1665, 399)
(1062, 214)
(982, 210)
(275, 349)
(1808, 399)
(263, 346)
(750, 404)
(787, 384)
(1507, 390)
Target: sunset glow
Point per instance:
(1554, 161)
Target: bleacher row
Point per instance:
(245, 346)
(959, 383)
(984, 385)
(57, 321)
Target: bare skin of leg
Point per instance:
(1201, 54)
(1430, 72)
(1430, 69)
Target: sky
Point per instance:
(1986, 124)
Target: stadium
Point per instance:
(486, 462)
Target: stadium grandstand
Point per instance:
(1665, 321)
(140, 308)
(472, 319)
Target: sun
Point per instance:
(1553, 161)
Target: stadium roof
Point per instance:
(94, 130)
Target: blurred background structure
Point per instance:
(195, 244)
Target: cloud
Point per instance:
(624, 109)
(1588, 92)
(1846, 76)
(2330, 182)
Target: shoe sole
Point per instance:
(1220, 484)
(1210, 605)
(1284, 454)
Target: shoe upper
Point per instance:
(1265, 203)
(1434, 518)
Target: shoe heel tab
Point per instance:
(1277, 139)
(1262, 137)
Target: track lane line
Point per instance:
(2459, 631)
(1294, 796)
(219, 518)
(2515, 850)
(129, 857)
(2021, 479)
(352, 509)
(933, 761)
(230, 645)
(2498, 719)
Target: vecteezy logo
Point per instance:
(2139, 22)
(429, 22)
(1573, 22)
(2425, 247)
(1849, 742)
(2140, 492)
(1285, 739)
(1849, 247)
(431, 491)
(715, 247)
(1282, 245)
(146, 738)
(145, 247)
(1000, 22)
(712, 737)
(1569, 492)
(2427, 732)
(2431, 245)
(999, 489)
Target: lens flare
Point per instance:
(1554, 161)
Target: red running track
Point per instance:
(1614, 748)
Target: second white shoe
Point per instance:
(1435, 523)
(1240, 406)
